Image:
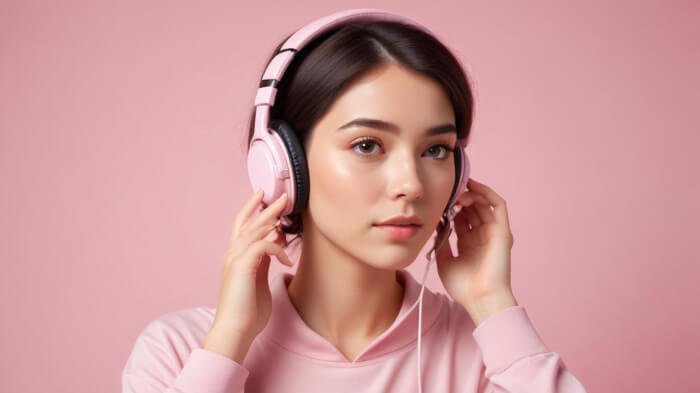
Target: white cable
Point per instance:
(446, 235)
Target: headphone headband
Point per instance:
(277, 66)
(265, 96)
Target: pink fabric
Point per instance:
(504, 354)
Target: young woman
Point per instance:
(379, 107)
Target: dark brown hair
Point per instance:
(332, 61)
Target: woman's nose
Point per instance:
(405, 180)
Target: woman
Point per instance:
(362, 99)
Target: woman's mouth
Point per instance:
(399, 232)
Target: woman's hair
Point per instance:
(332, 61)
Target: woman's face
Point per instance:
(361, 174)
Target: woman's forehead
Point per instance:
(394, 95)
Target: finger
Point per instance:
(271, 232)
(277, 236)
(261, 277)
(483, 209)
(250, 235)
(245, 212)
(257, 253)
(465, 199)
(281, 236)
(461, 227)
(271, 213)
(500, 210)
(281, 254)
(466, 238)
(472, 218)
(472, 198)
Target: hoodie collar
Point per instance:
(289, 330)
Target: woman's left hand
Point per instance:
(479, 277)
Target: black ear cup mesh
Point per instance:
(295, 150)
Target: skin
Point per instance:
(345, 286)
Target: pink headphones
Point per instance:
(276, 159)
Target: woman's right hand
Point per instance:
(245, 301)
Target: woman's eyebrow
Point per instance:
(393, 128)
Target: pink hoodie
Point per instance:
(504, 354)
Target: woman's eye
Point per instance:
(445, 149)
(363, 145)
(366, 147)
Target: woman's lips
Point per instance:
(399, 232)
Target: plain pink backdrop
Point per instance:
(121, 160)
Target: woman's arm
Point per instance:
(516, 359)
(156, 363)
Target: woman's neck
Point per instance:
(344, 300)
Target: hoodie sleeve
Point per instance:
(156, 364)
(517, 360)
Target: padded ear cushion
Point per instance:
(295, 150)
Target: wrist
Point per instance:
(482, 308)
(233, 346)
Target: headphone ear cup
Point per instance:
(458, 171)
(462, 169)
(297, 156)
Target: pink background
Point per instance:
(123, 127)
